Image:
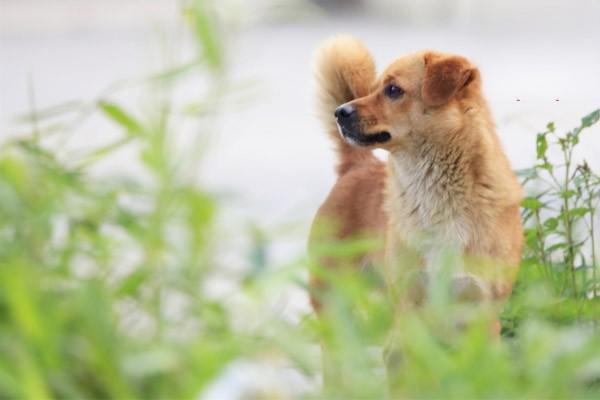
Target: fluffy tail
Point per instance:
(344, 71)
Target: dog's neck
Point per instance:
(431, 184)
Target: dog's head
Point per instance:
(418, 94)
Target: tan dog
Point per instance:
(447, 182)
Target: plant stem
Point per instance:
(567, 219)
(592, 232)
(541, 243)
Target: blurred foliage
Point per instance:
(100, 275)
(104, 277)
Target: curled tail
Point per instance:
(344, 71)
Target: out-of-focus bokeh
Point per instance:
(539, 60)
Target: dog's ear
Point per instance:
(444, 77)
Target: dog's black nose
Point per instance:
(345, 112)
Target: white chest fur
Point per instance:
(426, 208)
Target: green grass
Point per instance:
(103, 276)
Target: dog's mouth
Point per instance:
(355, 136)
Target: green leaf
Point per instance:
(551, 224)
(104, 151)
(579, 211)
(574, 138)
(205, 32)
(551, 127)
(532, 203)
(531, 238)
(527, 173)
(590, 119)
(131, 284)
(541, 146)
(567, 194)
(546, 165)
(121, 117)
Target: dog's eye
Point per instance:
(393, 91)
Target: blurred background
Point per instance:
(539, 60)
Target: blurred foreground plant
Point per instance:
(100, 274)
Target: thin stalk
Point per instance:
(594, 262)
(32, 106)
(567, 219)
(540, 239)
(592, 231)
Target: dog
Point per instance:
(447, 182)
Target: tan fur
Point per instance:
(345, 71)
(447, 181)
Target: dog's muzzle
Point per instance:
(348, 123)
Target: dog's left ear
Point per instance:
(445, 76)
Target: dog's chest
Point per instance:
(429, 229)
(424, 214)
